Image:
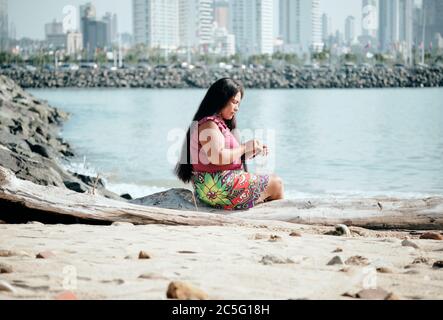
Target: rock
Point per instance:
(75, 186)
(259, 236)
(151, 276)
(392, 296)
(438, 265)
(295, 234)
(5, 286)
(384, 270)
(275, 238)
(6, 253)
(45, 255)
(272, 259)
(4, 268)
(408, 243)
(67, 295)
(373, 294)
(144, 255)
(122, 224)
(336, 260)
(421, 260)
(184, 291)
(431, 236)
(126, 196)
(357, 261)
(337, 250)
(342, 230)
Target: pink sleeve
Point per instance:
(221, 124)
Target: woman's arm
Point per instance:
(213, 144)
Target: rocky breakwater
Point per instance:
(259, 77)
(30, 145)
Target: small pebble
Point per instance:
(4, 268)
(384, 270)
(409, 243)
(45, 255)
(343, 230)
(274, 238)
(336, 260)
(421, 260)
(295, 234)
(184, 291)
(373, 294)
(357, 261)
(67, 295)
(144, 255)
(338, 250)
(271, 259)
(438, 265)
(431, 236)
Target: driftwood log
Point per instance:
(22, 201)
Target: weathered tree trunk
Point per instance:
(22, 201)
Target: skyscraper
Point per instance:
(196, 23)
(156, 23)
(221, 13)
(433, 19)
(396, 24)
(54, 35)
(95, 32)
(369, 18)
(301, 25)
(4, 24)
(350, 30)
(326, 22)
(252, 23)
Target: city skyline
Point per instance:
(30, 22)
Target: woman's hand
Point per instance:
(254, 148)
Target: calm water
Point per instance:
(324, 142)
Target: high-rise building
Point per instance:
(252, 23)
(396, 19)
(301, 25)
(369, 18)
(4, 25)
(111, 27)
(156, 23)
(221, 13)
(350, 30)
(224, 42)
(95, 32)
(326, 23)
(54, 35)
(196, 24)
(74, 43)
(433, 20)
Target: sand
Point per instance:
(101, 262)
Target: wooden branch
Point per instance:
(19, 197)
(22, 201)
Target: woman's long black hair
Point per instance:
(217, 97)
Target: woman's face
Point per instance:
(231, 109)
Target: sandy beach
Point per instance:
(283, 261)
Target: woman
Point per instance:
(214, 161)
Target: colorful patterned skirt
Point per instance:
(229, 190)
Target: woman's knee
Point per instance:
(276, 184)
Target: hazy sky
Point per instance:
(30, 16)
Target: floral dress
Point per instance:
(225, 187)
(229, 190)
